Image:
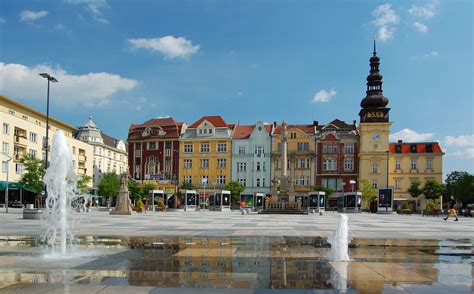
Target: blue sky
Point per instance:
(125, 61)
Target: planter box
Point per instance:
(160, 209)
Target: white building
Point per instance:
(24, 131)
(109, 154)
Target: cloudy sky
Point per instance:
(127, 61)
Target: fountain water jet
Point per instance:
(61, 183)
(340, 241)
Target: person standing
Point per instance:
(452, 209)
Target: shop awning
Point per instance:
(15, 186)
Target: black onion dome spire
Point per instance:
(374, 98)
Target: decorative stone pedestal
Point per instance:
(123, 201)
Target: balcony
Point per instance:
(413, 170)
(21, 140)
(82, 158)
(429, 170)
(81, 170)
(398, 171)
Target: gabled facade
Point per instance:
(109, 154)
(153, 149)
(301, 157)
(205, 154)
(251, 150)
(337, 163)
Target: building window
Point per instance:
(279, 147)
(19, 168)
(24, 117)
(138, 146)
(188, 163)
(33, 137)
(204, 163)
(329, 164)
(221, 163)
(349, 148)
(188, 148)
(348, 164)
(241, 150)
(204, 180)
(6, 128)
(187, 179)
(429, 163)
(299, 146)
(258, 183)
(11, 112)
(259, 151)
(374, 184)
(413, 164)
(241, 166)
(5, 148)
(151, 146)
(221, 180)
(205, 148)
(5, 166)
(33, 153)
(259, 166)
(397, 183)
(375, 168)
(398, 164)
(243, 182)
(222, 147)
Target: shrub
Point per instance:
(405, 205)
(430, 206)
(140, 204)
(160, 203)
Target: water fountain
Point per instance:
(61, 183)
(340, 241)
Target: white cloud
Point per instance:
(466, 153)
(420, 27)
(3, 20)
(432, 54)
(94, 7)
(425, 11)
(31, 16)
(467, 140)
(385, 19)
(408, 135)
(92, 89)
(324, 96)
(169, 46)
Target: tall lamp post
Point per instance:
(352, 182)
(6, 188)
(52, 80)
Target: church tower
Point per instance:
(374, 129)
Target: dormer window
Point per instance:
(413, 148)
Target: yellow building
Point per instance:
(205, 154)
(374, 130)
(24, 132)
(410, 162)
(301, 156)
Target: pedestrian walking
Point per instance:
(452, 209)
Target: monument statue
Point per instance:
(123, 206)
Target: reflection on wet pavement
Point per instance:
(244, 265)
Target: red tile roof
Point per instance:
(216, 121)
(168, 124)
(420, 147)
(308, 129)
(242, 132)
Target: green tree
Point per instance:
(415, 189)
(134, 191)
(146, 188)
(432, 189)
(235, 189)
(82, 183)
(186, 186)
(33, 173)
(369, 193)
(463, 189)
(109, 186)
(326, 190)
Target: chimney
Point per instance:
(354, 122)
(274, 124)
(315, 123)
(400, 141)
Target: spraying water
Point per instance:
(61, 182)
(340, 241)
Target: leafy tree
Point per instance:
(368, 192)
(33, 173)
(147, 186)
(415, 189)
(433, 189)
(186, 186)
(463, 189)
(321, 188)
(82, 183)
(235, 189)
(134, 191)
(109, 186)
(451, 181)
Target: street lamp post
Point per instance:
(6, 188)
(53, 80)
(352, 182)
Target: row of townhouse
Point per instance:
(211, 152)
